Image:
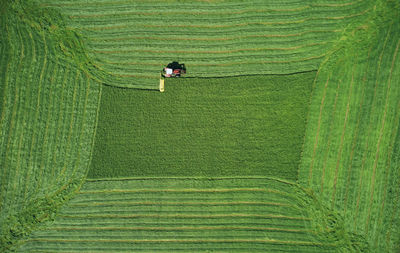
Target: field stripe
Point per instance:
(185, 190)
(166, 203)
(60, 118)
(39, 94)
(380, 137)
(11, 132)
(184, 216)
(17, 131)
(266, 241)
(178, 228)
(330, 130)
(355, 136)
(185, 178)
(370, 127)
(104, 3)
(50, 97)
(317, 133)
(159, 13)
(206, 52)
(387, 167)
(240, 37)
(71, 123)
(342, 137)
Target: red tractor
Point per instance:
(174, 69)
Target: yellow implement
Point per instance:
(161, 84)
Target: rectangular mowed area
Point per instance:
(239, 126)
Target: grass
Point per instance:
(349, 156)
(133, 40)
(204, 127)
(48, 112)
(169, 215)
(54, 55)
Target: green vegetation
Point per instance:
(204, 127)
(134, 39)
(350, 157)
(188, 214)
(48, 113)
(56, 56)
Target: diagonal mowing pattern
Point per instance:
(182, 214)
(133, 40)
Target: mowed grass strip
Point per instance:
(234, 226)
(242, 126)
(350, 157)
(208, 34)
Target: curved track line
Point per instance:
(342, 137)
(355, 136)
(369, 128)
(380, 138)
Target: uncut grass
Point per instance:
(204, 127)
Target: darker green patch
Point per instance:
(242, 126)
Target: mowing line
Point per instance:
(83, 118)
(27, 171)
(4, 186)
(215, 13)
(216, 39)
(202, 26)
(86, 4)
(394, 213)
(83, 121)
(183, 228)
(234, 63)
(114, 27)
(329, 137)
(349, 168)
(72, 120)
(48, 116)
(188, 178)
(28, 96)
(317, 133)
(61, 113)
(370, 126)
(380, 137)
(12, 182)
(342, 137)
(100, 86)
(266, 241)
(387, 167)
(220, 5)
(184, 190)
(337, 5)
(172, 203)
(206, 52)
(37, 108)
(184, 216)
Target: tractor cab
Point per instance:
(174, 69)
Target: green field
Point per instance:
(204, 124)
(284, 137)
(187, 214)
(133, 40)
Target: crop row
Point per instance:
(238, 223)
(194, 36)
(352, 134)
(48, 109)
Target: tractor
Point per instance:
(174, 69)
